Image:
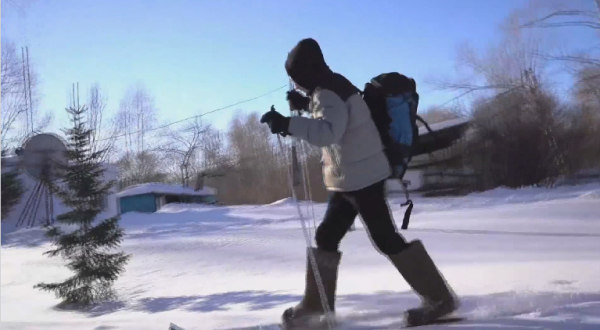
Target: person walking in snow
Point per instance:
(355, 169)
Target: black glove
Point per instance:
(296, 101)
(277, 122)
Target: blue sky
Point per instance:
(195, 56)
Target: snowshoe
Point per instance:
(310, 310)
(308, 322)
(417, 268)
(442, 320)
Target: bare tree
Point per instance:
(503, 67)
(582, 117)
(559, 14)
(20, 116)
(13, 97)
(137, 114)
(518, 134)
(184, 146)
(247, 166)
(587, 85)
(585, 118)
(215, 162)
(143, 167)
(104, 131)
(260, 169)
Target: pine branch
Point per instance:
(107, 234)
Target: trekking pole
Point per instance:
(304, 169)
(311, 255)
(307, 186)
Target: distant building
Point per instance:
(150, 197)
(438, 168)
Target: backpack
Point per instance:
(393, 101)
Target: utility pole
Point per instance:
(25, 94)
(29, 89)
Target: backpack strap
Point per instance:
(419, 118)
(408, 202)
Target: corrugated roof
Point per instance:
(161, 188)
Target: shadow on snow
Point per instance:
(105, 308)
(254, 300)
(383, 310)
(22, 237)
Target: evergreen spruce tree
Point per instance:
(12, 191)
(85, 244)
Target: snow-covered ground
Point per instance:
(527, 259)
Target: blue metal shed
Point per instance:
(150, 197)
(145, 203)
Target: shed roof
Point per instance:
(161, 188)
(444, 125)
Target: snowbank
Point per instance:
(536, 194)
(161, 188)
(185, 207)
(527, 266)
(281, 202)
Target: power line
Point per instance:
(196, 116)
(507, 91)
(454, 98)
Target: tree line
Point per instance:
(525, 130)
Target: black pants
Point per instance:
(372, 206)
